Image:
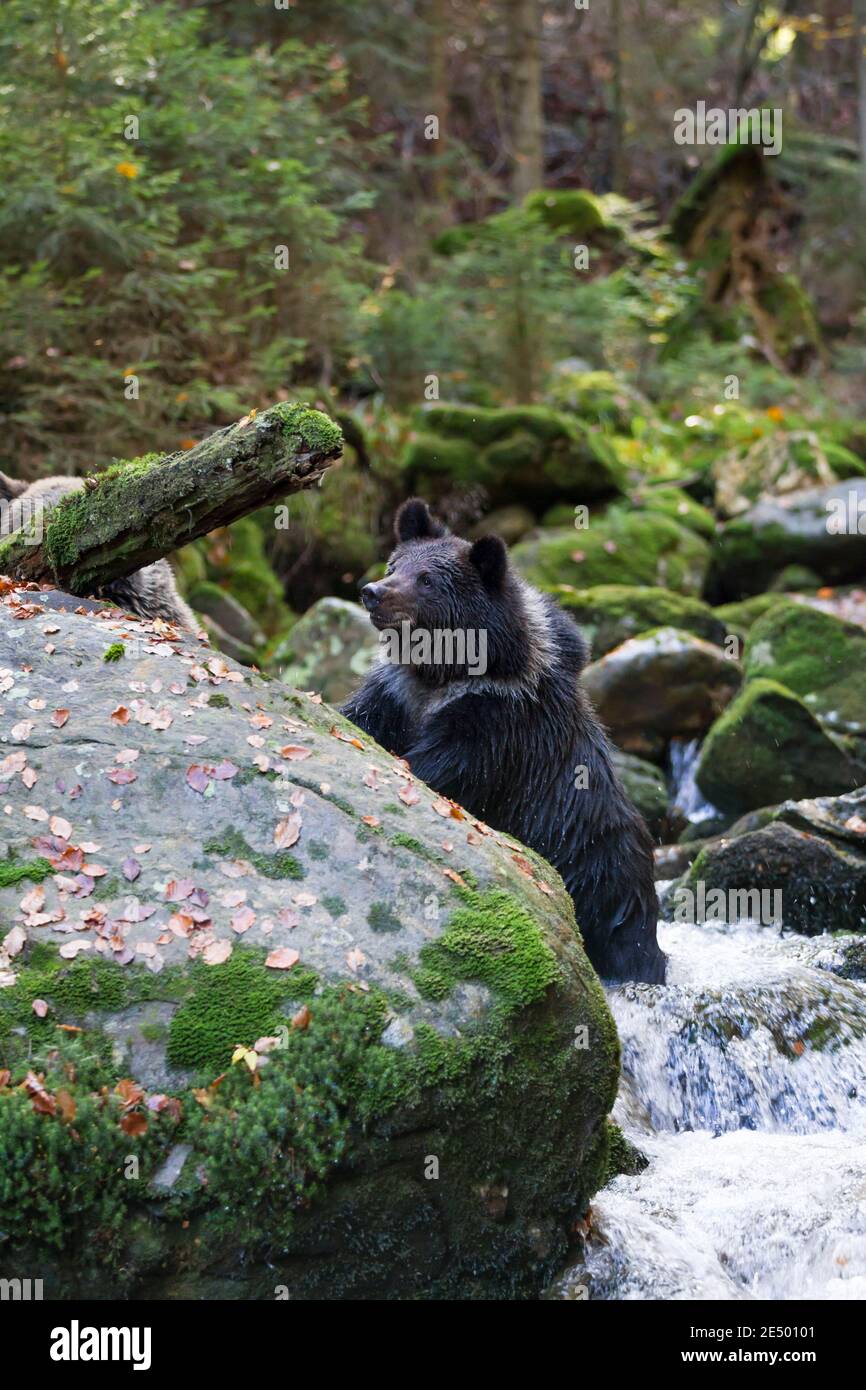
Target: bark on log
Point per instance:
(135, 513)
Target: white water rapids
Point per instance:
(744, 1083)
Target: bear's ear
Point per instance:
(413, 522)
(490, 558)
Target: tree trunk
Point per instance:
(524, 19)
(860, 50)
(439, 105)
(618, 170)
(133, 514)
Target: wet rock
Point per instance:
(330, 650)
(801, 529)
(778, 464)
(672, 860)
(214, 876)
(645, 786)
(662, 684)
(769, 747)
(813, 852)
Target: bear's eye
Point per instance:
(425, 580)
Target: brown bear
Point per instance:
(483, 699)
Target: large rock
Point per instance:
(525, 454)
(818, 656)
(608, 614)
(794, 530)
(661, 685)
(769, 747)
(199, 860)
(620, 547)
(812, 852)
(644, 785)
(329, 650)
(778, 464)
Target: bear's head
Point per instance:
(438, 584)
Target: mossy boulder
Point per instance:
(645, 786)
(813, 852)
(608, 614)
(356, 1048)
(823, 528)
(778, 463)
(571, 211)
(739, 618)
(818, 656)
(330, 650)
(522, 454)
(768, 747)
(598, 398)
(618, 547)
(679, 506)
(661, 685)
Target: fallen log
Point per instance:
(134, 513)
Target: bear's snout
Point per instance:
(371, 596)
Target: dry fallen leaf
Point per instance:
(283, 958)
(288, 831)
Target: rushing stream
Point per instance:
(744, 1083)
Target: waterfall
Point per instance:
(744, 1083)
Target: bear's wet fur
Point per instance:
(519, 745)
(151, 592)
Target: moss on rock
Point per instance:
(768, 747)
(609, 614)
(620, 547)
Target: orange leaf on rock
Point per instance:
(283, 958)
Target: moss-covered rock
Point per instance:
(768, 747)
(818, 656)
(425, 1115)
(645, 786)
(330, 649)
(608, 614)
(679, 506)
(823, 528)
(525, 454)
(776, 464)
(599, 398)
(620, 547)
(740, 618)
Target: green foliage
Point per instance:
(154, 256)
(295, 1122)
(67, 1168)
(231, 1006)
